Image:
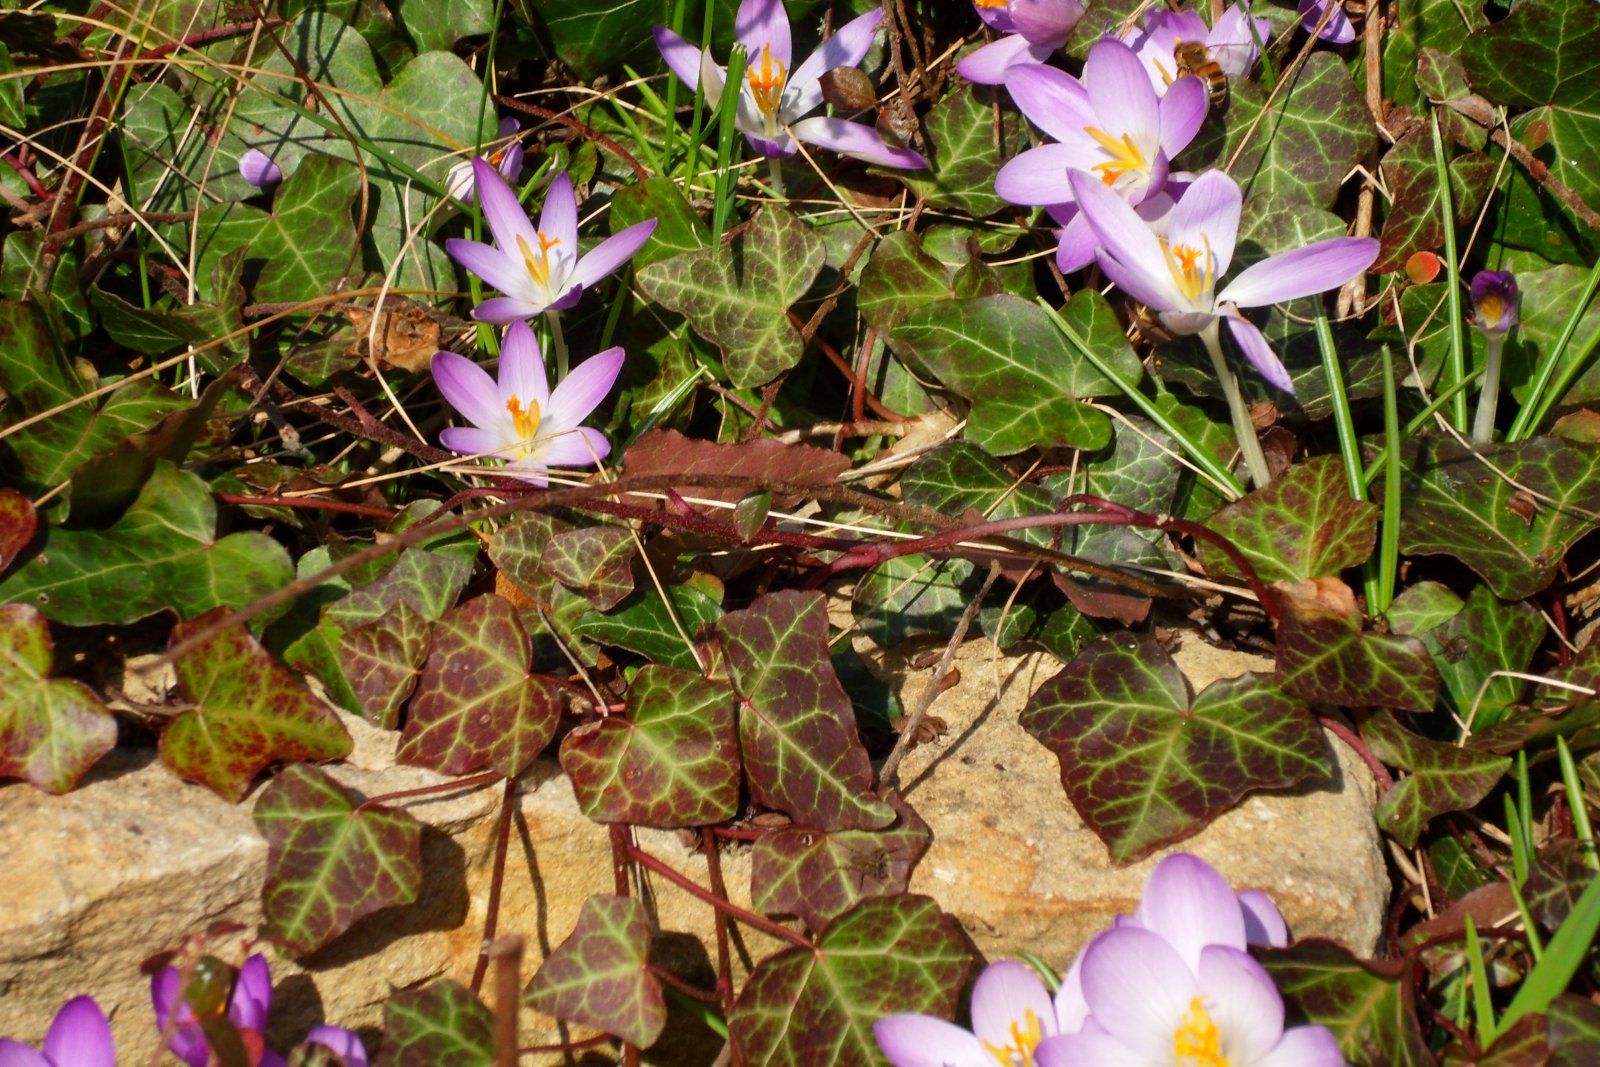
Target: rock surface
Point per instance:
(135, 861)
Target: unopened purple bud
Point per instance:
(1494, 301)
(257, 168)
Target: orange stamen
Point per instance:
(1197, 1042)
(766, 82)
(538, 263)
(1183, 263)
(1125, 155)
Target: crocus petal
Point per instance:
(988, 65)
(1130, 254)
(257, 168)
(1002, 998)
(511, 162)
(923, 1041)
(1046, 22)
(1315, 268)
(1182, 111)
(1207, 216)
(1077, 246)
(1071, 1009)
(489, 263)
(1137, 988)
(1192, 906)
(1242, 1002)
(1038, 176)
(1053, 100)
(577, 448)
(501, 210)
(1120, 93)
(346, 1045)
(763, 24)
(80, 1036)
(1337, 31)
(846, 48)
(558, 219)
(1304, 1046)
(1259, 353)
(581, 391)
(681, 57)
(522, 369)
(1093, 1050)
(781, 147)
(471, 441)
(612, 253)
(1263, 922)
(713, 78)
(16, 1054)
(468, 388)
(500, 310)
(458, 182)
(996, 16)
(854, 139)
(1232, 44)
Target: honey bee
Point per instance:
(1193, 57)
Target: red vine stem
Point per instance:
(308, 503)
(497, 878)
(708, 842)
(571, 123)
(469, 782)
(1349, 737)
(688, 885)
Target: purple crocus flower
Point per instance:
(1494, 301)
(518, 418)
(248, 1007)
(1011, 1014)
(1230, 43)
(79, 1036)
(1177, 276)
(1032, 29)
(1112, 124)
(538, 270)
(257, 168)
(1337, 31)
(773, 99)
(505, 158)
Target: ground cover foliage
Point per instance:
(855, 400)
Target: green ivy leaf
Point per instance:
(737, 296)
(159, 330)
(600, 977)
(678, 228)
(1144, 765)
(646, 627)
(1487, 635)
(596, 561)
(796, 725)
(1323, 655)
(246, 711)
(1421, 607)
(426, 581)
(1543, 52)
(815, 1007)
(672, 761)
(909, 596)
(162, 553)
(442, 1023)
(1459, 505)
(382, 660)
(1441, 777)
(959, 477)
(1413, 223)
(1302, 525)
(51, 731)
(1138, 470)
(437, 27)
(1549, 298)
(1370, 1007)
(966, 151)
(476, 705)
(900, 277)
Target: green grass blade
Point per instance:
(1457, 362)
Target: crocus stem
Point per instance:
(1483, 425)
(558, 344)
(1243, 429)
(775, 172)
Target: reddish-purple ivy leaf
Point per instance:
(597, 561)
(815, 1007)
(1144, 765)
(1370, 1007)
(1302, 525)
(599, 975)
(51, 731)
(382, 659)
(1324, 657)
(435, 1026)
(763, 460)
(427, 581)
(818, 876)
(477, 706)
(246, 711)
(329, 860)
(672, 761)
(1441, 777)
(517, 549)
(18, 523)
(797, 729)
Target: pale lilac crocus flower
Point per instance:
(1176, 276)
(257, 168)
(1231, 44)
(505, 157)
(1032, 31)
(773, 98)
(1111, 124)
(1494, 312)
(1012, 1013)
(1339, 29)
(79, 1036)
(518, 418)
(540, 269)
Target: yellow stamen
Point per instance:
(1125, 155)
(538, 263)
(1491, 309)
(994, 3)
(766, 83)
(1166, 75)
(1184, 266)
(1197, 1042)
(1025, 1037)
(526, 421)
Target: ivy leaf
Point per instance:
(1549, 298)
(1459, 505)
(597, 561)
(442, 1023)
(1324, 656)
(1546, 52)
(18, 523)
(330, 860)
(967, 151)
(818, 876)
(51, 731)
(599, 976)
(476, 704)
(668, 452)
(427, 582)
(645, 627)
(1487, 635)
(815, 1007)
(161, 554)
(959, 477)
(1413, 223)
(900, 277)
(246, 711)
(382, 660)
(678, 228)
(738, 296)
(1442, 777)
(1371, 1008)
(1144, 765)
(1300, 526)
(672, 761)
(797, 729)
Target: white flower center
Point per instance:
(538, 263)
(1125, 156)
(1193, 279)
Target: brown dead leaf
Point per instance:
(406, 337)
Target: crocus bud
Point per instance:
(1494, 301)
(257, 168)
